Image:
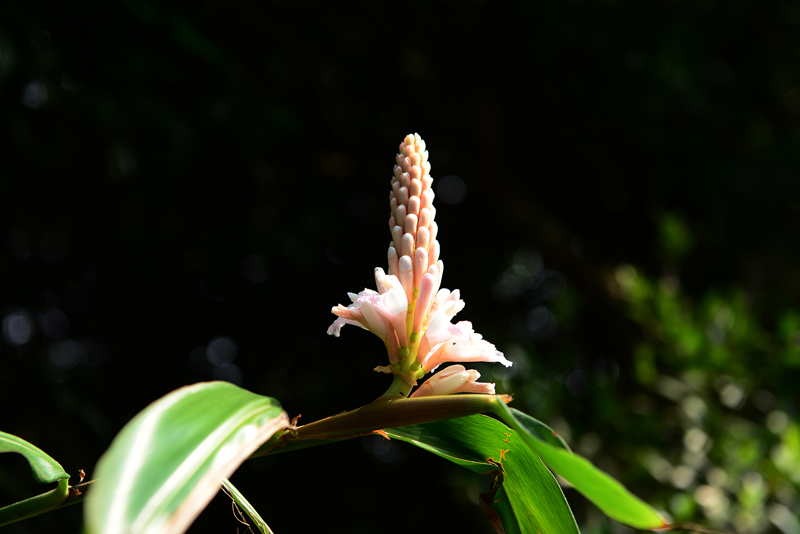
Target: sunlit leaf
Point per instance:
(605, 492)
(529, 499)
(44, 468)
(169, 461)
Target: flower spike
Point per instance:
(409, 312)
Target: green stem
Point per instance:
(393, 412)
(398, 389)
(245, 505)
(379, 414)
(35, 505)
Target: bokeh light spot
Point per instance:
(66, 353)
(221, 351)
(682, 476)
(695, 439)
(542, 324)
(34, 95)
(451, 189)
(777, 421)
(17, 327)
(54, 322)
(732, 395)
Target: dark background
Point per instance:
(185, 191)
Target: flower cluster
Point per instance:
(409, 312)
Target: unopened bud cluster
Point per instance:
(414, 251)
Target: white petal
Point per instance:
(395, 301)
(443, 382)
(379, 276)
(378, 324)
(454, 379)
(441, 296)
(336, 327)
(476, 350)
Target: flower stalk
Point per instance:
(391, 413)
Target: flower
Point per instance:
(454, 379)
(409, 311)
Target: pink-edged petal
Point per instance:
(444, 382)
(392, 304)
(465, 351)
(336, 328)
(441, 295)
(395, 307)
(441, 332)
(350, 315)
(376, 322)
(362, 312)
(445, 306)
(454, 379)
(477, 387)
(460, 330)
(382, 314)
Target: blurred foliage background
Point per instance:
(186, 190)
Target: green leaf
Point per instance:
(540, 430)
(605, 492)
(245, 506)
(168, 462)
(45, 469)
(529, 501)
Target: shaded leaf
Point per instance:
(487, 499)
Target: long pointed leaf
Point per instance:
(605, 492)
(530, 501)
(168, 462)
